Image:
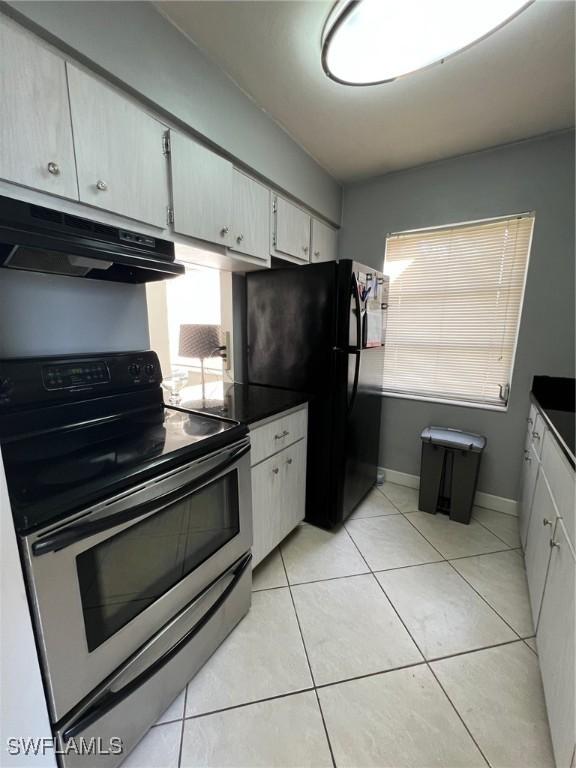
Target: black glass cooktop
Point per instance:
(52, 473)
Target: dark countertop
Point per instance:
(555, 398)
(246, 403)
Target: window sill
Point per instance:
(446, 401)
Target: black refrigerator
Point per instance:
(320, 329)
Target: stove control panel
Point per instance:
(75, 375)
(33, 381)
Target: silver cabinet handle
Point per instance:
(275, 470)
(281, 435)
(554, 544)
(224, 231)
(529, 420)
(54, 169)
(101, 185)
(546, 522)
(535, 435)
(527, 457)
(288, 461)
(240, 238)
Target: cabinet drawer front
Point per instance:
(562, 481)
(278, 434)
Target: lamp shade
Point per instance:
(199, 341)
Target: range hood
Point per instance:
(37, 239)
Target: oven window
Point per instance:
(123, 575)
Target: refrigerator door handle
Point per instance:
(356, 292)
(357, 353)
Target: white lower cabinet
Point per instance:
(278, 492)
(542, 522)
(556, 646)
(547, 524)
(531, 465)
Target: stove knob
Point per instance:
(134, 370)
(150, 369)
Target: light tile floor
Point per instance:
(400, 640)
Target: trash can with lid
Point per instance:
(449, 471)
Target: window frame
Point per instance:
(462, 402)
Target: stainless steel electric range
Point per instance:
(135, 525)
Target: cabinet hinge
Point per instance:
(274, 240)
(170, 215)
(274, 205)
(166, 149)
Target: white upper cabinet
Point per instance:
(324, 245)
(119, 151)
(36, 147)
(250, 217)
(291, 231)
(201, 191)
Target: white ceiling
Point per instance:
(517, 83)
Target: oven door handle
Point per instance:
(77, 532)
(112, 698)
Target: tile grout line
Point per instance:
(481, 596)
(308, 661)
(466, 580)
(490, 530)
(183, 726)
(426, 662)
(469, 732)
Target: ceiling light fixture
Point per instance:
(367, 42)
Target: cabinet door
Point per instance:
(294, 481)
(250, 216)
(556, 647)
(201, 191)
(529, 475)
(540, 530)
(291, 231)
(562, 481)
(267, 492)
(121, 164)
(36, 147)
(324, 242)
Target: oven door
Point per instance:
(105, 581)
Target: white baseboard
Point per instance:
(486, 500)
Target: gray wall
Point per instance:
(134, 43)
(533, 175)
(49, 314)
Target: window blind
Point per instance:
(454, 309)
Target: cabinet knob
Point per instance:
(224, 231)
(554, 544)
(527, 457)
(275, 470)
(305, 248)
(240, 238)
(536, 435)
(288, 461)
(316, 253)
(546, 522)
(101, 185)
(529, 420)
(54, 169)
